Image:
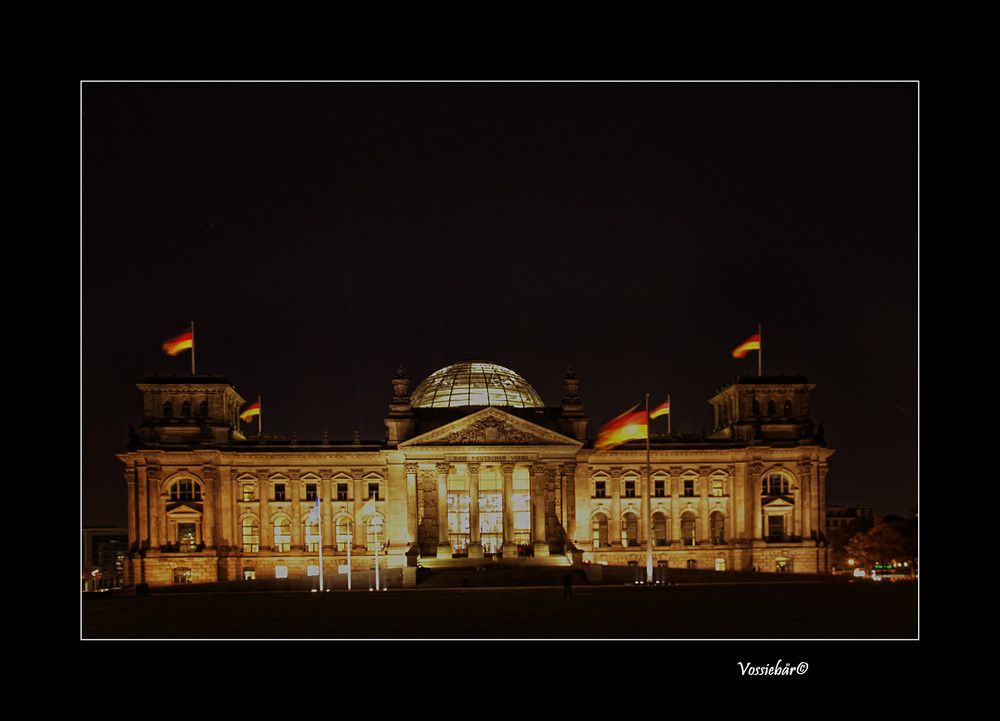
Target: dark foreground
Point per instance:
(852, 610)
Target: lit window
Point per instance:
(282, 535)
(247, 491)
(249, 574)
(187, 537)
(251, 535)
(281, 571)
(182, 575)
(630, 530)
(717, 486)
(600, 530)
(720, 564)
(343, 533)
(312, 570)
(311, 533)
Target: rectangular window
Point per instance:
(281, 571)
(600, 489)
(775, 528)
(629, 489)
(341, 491)
(688, 486)
(310, 492)
(716, 486)
(373, 491)
(659, 488)
(279, 491)
(247, 491)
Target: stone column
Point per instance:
(540, 543)
(444, 545)
(210, 500)
(673, 491)
(704, 535)
(359, 536)
(509, 546)
(475, 540)
(569, 493)
(411, 502)
(264, 495)
(296, 514)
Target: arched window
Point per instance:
(599, 529)
(717, 528)
(630, 530)
(343, 533)
(251, 535)
(203, 409)
(185, 489)
(688, 530)
(375, 533)
(788, 408)
(659, 529)
(185, 409)
(772, 409)
(282, 534)
(310, 532)
(168, 409)
(774, 484)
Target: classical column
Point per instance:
(509, 546)
(540, 544)
(475, 541)
(359, 497)
(444, 545)
(569, 493)
(704, 535)
(294, 481)
(264, 494)
(674, 490)
(209, 500)
(411, 502)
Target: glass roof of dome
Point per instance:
(475, 383)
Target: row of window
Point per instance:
(773, 484)
(660, 535)
(187, 489)
(281, 529)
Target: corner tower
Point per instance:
(765, 408)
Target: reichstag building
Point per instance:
(474, 465)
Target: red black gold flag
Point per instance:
(252, 410)
(751, 343)
(183, 342)
(628, 426)
(660, 410)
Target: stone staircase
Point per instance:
(487, 573)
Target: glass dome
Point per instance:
(475, 383)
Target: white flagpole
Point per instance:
(320, 523)
(350, 541)
(376, 555)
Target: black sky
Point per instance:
(321, 234)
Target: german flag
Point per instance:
(660, 410)
(252, 410)
(751, 343)
(628, 426)
(183, 342)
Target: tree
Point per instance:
(885, 542)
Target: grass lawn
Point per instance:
(861, 610)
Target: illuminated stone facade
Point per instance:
(473, 465)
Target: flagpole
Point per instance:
(192, 347)
(320, 502)
(649, 503)
(259, 414)
(669, 414)
(350, 542)
(760, 352)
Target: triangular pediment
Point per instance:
(778, 503)
(490, 427)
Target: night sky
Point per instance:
(321, 234)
